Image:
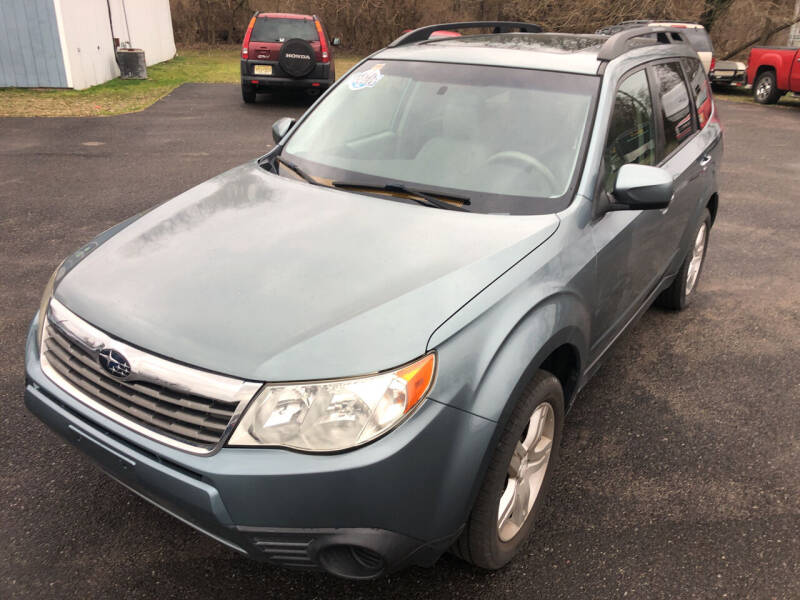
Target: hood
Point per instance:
(270, 279)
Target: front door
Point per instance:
(623, 238)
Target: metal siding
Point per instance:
(5, 59)
(30, 49)
(88, 43)
(42, 58)
(32, 60)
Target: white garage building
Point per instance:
(70, 43)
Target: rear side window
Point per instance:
(700, 89)
(631, 137)
(698, 39)
(280, 30)
(676, 113)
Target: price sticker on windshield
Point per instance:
(366, 79)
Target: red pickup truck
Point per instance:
(772, 72)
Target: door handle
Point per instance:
(705, 160)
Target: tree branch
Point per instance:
(757, 39)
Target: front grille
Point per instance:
(162, 407)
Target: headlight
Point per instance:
(334, 415)
(44, 304)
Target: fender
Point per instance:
(776, 61)
(486, 370)
(493, 376)
(486, 348)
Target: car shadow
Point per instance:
(288, 99)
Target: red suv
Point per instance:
(282, 50)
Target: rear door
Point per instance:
(676, 117)
(706, 145)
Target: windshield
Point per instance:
(280, 30)
(508, 139)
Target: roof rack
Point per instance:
(646, 21)
(618, 44)
(423, 33)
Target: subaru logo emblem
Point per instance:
(115, 363)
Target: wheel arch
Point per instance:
(561, 356)
(565, 364)
(763, 68)
(712, 205)
(491, 358)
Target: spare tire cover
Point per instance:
(297, 58)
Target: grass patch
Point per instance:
(118, 96)
(738, 94)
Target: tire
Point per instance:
(681, 291)
(248, 93)
(765, 88)
(480, 543)
(297, 58)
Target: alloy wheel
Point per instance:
(764, 88)
(698, 252)
(526, 472)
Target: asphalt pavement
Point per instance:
(680, 464)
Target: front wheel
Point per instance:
(518, 476)
(248, 93)
(765, 88)
(678, 295)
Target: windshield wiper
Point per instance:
(298, 170)
(418, 196)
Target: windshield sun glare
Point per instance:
(509, 139)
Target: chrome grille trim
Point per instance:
(182, 407)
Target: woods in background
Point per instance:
(366, 25)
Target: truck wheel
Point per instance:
(678, 295)
(248, 93)
(765, 88)
(518, 476)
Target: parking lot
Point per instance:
(680, 463)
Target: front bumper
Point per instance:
(398, 501)
(728, 77)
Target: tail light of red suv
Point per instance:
(246, 41)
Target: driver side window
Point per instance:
(631, 133)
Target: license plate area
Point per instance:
(262, 69)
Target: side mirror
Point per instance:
(640, 187)
(280, 128)
(336, 42)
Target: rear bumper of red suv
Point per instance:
(267, 82)
(321, 77)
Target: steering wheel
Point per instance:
(528, 162)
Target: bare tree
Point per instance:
(366, 25)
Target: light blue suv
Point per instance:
(357, 351)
